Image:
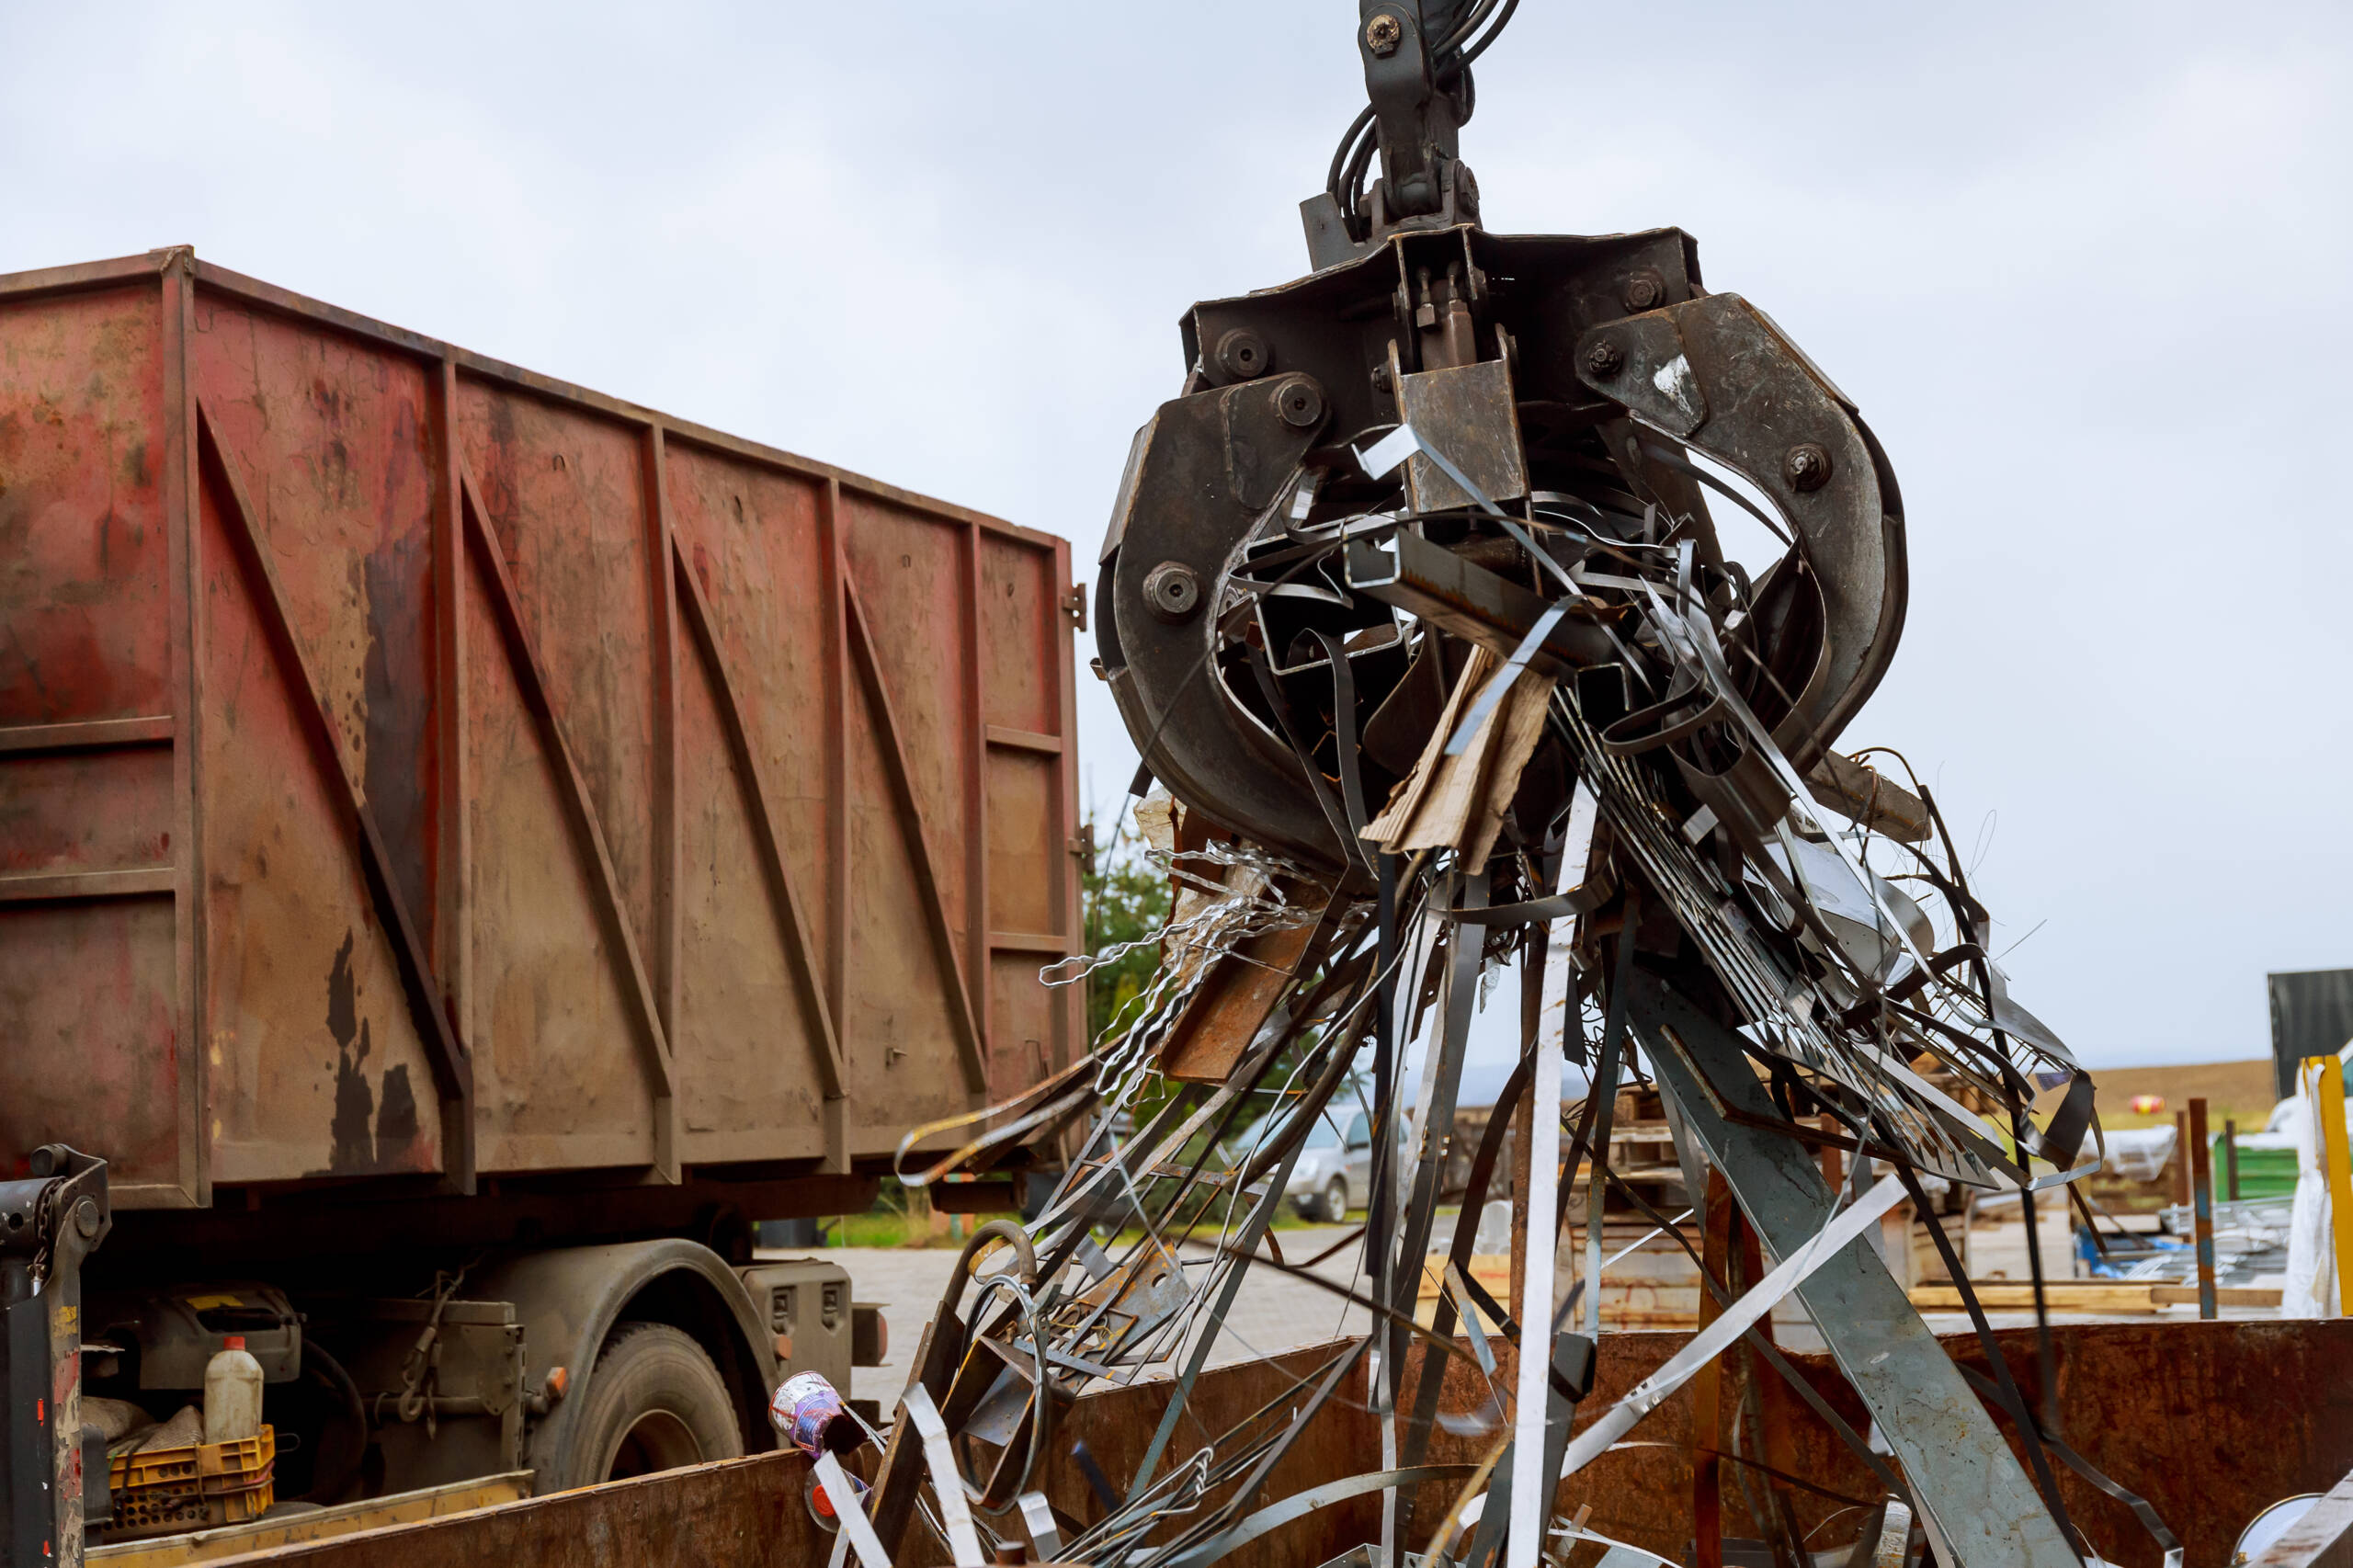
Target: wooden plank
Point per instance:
(88, 734)
(2063, 1296)
(1024, 740)
(531, 681)
(808, 972)
(2225, 1295)
(969, 1042)
(452, 1068)
(2090, 1295)
(136, 883)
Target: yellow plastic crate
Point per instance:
(165, 1491)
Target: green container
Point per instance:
(2263, 1173)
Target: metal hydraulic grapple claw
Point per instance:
(1715, 375)
(1569, 399)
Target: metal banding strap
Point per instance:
(1531, 1495)
(1300, 1503)
(1711, 1341)
(1501, 683)
(857, 1529)
(947, 1481)
(1038, 1515)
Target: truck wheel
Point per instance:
(654, 1402)
(1335, 1201)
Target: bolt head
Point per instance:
(1172, 591)
(1605, 360)
(1301, 402)
(85, 1217)
(1383, 34)
(1242, 355)
(1807, 466)
(1645, 290)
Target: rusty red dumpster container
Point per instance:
(413, 767)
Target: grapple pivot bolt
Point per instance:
(1807, 467)
(1172, 591)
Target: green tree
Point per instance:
(1127, 900)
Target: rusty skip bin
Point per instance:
(469, 848)
(413, 767)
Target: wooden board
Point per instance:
(2087, 1295)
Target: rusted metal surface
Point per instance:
(413, 767)
(746, 1512)
(2211, 1422)
(1225, 1014)
(751, 1513)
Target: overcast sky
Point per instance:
(2084, 267)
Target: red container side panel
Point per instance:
(85, 584)
(108, 1078)
(755, 686)
(410, 765)
(92, 829)
(325, 476)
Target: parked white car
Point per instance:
(1333, 1173)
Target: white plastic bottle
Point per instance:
(232, 1393)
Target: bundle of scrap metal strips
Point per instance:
(1762, 956)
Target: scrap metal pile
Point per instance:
(1414, 603)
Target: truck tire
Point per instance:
(654, 1402)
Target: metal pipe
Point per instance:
(2202, 1186)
